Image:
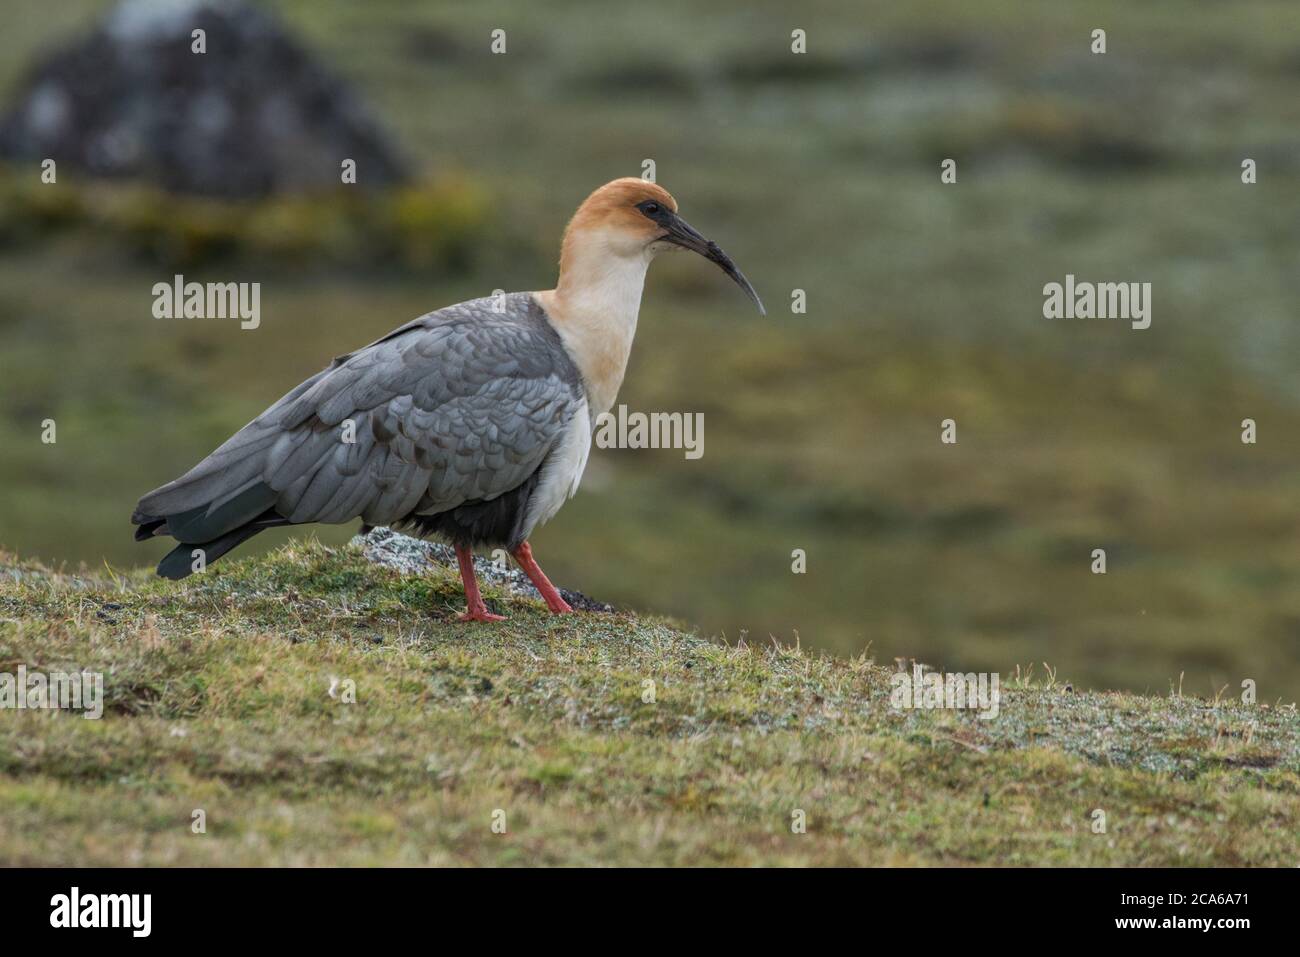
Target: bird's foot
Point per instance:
(480, 614)
(559, 606)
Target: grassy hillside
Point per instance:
(218, 697)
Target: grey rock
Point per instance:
(254, 115)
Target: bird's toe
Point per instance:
(481, 616)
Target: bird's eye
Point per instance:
(650, 208)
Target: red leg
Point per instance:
(475, 610)
(524, 556)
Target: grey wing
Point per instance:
(461, 405)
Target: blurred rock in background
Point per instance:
(254, 115)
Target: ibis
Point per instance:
(472, 423)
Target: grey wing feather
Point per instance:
(461, 405)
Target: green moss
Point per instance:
(433, 225)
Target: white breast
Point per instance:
(562, 472)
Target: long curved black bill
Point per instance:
(681, 233)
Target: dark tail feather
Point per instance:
(213, 529)
(179, 562)
(149, 528)
(205, 523)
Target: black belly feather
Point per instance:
(497, 523)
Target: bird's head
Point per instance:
(634, 219)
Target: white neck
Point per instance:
(594, 308)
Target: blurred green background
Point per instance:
(818, 172)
